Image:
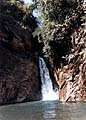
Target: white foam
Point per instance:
(47, 88)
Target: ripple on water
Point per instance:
(44, 110)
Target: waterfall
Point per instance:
(47, 87)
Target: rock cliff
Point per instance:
(18, 64)
(64, 37)
(72, 77)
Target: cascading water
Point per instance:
(47, 88)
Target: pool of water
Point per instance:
(44, 110)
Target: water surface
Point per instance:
(42, 110)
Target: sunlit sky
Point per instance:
(35, 12)
(28, 1)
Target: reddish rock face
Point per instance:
(72, 77)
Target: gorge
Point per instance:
(61, 40)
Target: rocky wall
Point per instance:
(19, 79)
(71, 78)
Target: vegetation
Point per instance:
(60, 18)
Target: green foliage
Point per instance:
(31, 8)
(60, 19)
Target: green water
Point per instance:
(51, 110)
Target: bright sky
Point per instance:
(28, 1)
(35, 12)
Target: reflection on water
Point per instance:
(49, 114)
(51, 110)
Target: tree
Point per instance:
(60, 19)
